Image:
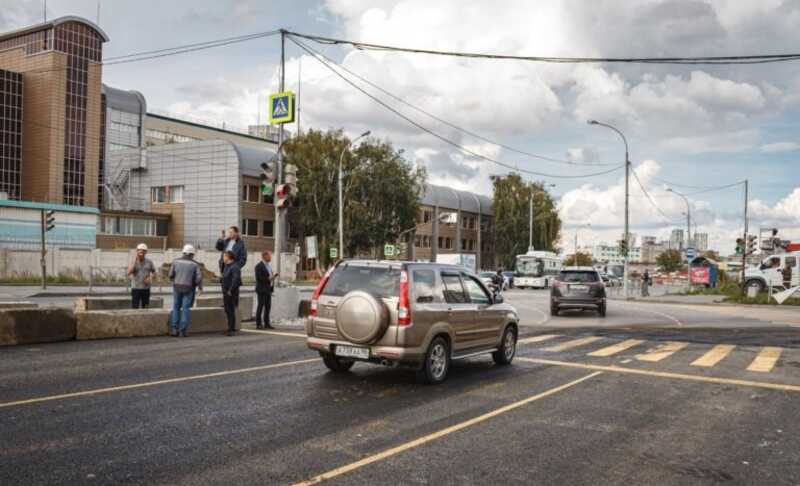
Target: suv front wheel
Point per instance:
(437, 362)
(337, 365)
(508, 348)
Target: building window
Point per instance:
(117, 225)
(267, 229)
(168, 137)
(250, 193)
(249, 227)
(166, 194)
(427, 216)
(10, 133)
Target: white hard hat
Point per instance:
(141, 246)
(188, 250)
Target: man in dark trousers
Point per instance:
(787, 275)
(231, 241)
(231, 281)
(143, 271)
(265, 278)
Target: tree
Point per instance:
(511, 217)
(583, 260)
(382, 191)
(670, 261)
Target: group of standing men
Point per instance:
(187, 280)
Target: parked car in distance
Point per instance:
(578, 288)
(509, 276)
(420, 316)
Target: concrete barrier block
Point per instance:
(105, 324)
(18, 305)
(285, 303)
(245, 304)
(85, 304)
(209, 319)
(33, 326)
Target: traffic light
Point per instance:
(623, 247)
(267, 178)
(50, 220)
(739, 246)
(290, 179)
(751, 244)
(282, 195)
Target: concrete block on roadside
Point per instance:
(85, 304)
(104, 324)
(245, 304)
(285, 303)
(18, 305)
(209, 319)
(36, 325)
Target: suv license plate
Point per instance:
(352, 352)
(582, 288)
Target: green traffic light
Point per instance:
(266, 189)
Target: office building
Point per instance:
(49, 148)
(676, 241)
(701, 241)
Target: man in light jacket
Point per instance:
(186, 278)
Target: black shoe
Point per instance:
(259, 326)
(267, 326)
(173, 333)
(184, 334)
(231, 333)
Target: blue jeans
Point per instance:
(181, 303)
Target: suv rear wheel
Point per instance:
(337, 365)
(508, 348)
(437, 362)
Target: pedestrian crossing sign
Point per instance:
(281, 107)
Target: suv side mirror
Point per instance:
(498, 299)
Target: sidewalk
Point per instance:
(23, 292)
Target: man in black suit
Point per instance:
(265, 278)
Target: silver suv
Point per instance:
(414, 315)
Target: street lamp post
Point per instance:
(625, 236)
(688, 231)
(341, 204)
(588, 225)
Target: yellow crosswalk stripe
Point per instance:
(661, 352)
(616, 348)
(714, 355)
(765, 360)
(538, 339)
(572, 344)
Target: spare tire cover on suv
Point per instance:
(361, 317)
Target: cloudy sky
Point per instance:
(689, 127)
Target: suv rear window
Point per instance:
(381, 281)
(578, 276)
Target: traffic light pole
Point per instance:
(44, 250)
(744, 250)
(279, 214)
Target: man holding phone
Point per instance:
(265, 279)
(230, 240)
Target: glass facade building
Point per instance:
(11, 134)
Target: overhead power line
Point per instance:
(746, 59)
(445, 122)
(442, 138)
(647, 195)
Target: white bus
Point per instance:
(536, 269)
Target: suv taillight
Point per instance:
(404, 305)
(317, 291)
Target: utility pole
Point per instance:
(44, 250)
(530, 224)
(744, 250)
(279, 214)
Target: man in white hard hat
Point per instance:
(142, 270)
(186, 278)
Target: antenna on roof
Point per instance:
(98, 12)
(45, 10)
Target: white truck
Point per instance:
(770, 271)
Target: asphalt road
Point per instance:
(635, 398)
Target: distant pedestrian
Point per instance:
(232, 241)
(143, 271)
(231, 281)
(265, 284)
(646, 283)
(787, 275)
(186, 278)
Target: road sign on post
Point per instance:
(691, 254)
(281, 108)
(388, 250)
(334, 252)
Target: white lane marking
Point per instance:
(662, 314)
(274, 333)
(538, 339)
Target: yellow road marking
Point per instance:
(662, 374)
(616, 348)
(275, 333)
(765, 360)
(538, 339)
(441, 433)
(154, 383)
(714, 355)
(661, 352)
(572, 344)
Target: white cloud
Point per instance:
(780, 147)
